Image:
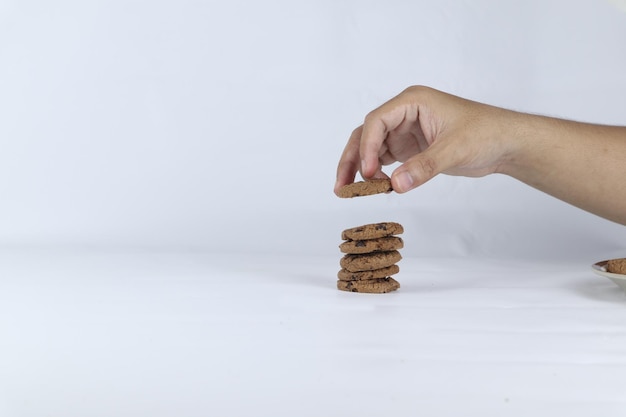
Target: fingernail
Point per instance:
(405, 181)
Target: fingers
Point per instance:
(378, 124)
(422, 167)
(367, 149)
(349, 162)
(431, 132)
(379, 175)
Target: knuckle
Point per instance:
(370, 117)
(416, 90)
(428, 166)
(412, 89)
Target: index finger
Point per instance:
(349, 161)
(378, 123)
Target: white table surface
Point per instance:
(112, 333)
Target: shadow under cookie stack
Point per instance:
(372, 250)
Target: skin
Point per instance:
(431, 132)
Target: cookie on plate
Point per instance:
(363, 188)
(372, 286)
(372, 231)
(616, 266)
(369, 261)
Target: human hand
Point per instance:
(430, 132)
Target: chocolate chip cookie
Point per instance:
(372, 231)
(363, 188)
(382, 244)
(377, 286)
(345, 275)
(616, 266)
(369, 261)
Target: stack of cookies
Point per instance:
(371, 254)
(371, 251)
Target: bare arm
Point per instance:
(432, 132)
(582, 164)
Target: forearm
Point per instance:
(432, 132)
(582, 164)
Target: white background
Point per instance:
(168, 231)
(218, 125)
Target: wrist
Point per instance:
(515, 132)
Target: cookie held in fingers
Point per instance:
(345, 275)
(363, 188)
(369, 261)
(372, 245)
(616, 266)
(372, 231)
(372, 286)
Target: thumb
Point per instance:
(420, 168)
